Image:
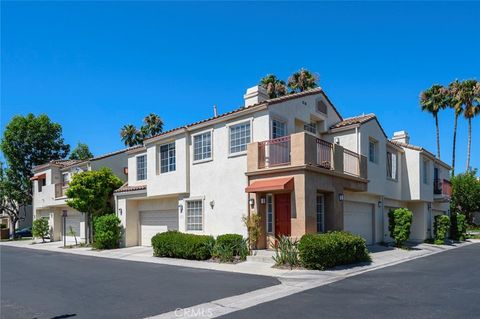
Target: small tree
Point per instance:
(81, 152)
(461, 227)
(40, 228)
(466, 194)
(252, 222)
(107, 232)
(399, 223)
(441, 227)
(71, 232)
(90, 192)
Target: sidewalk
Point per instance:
(381, 257)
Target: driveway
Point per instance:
(445, 285)
(42, 284)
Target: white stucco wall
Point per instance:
(115, 162)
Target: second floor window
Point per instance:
(202, 146)
(310, 127)
(167, 158)
(279, 129)
(426, 172)
(239, 137)
(391, 165)
(372, 151)
(141, 167)
(41, 183)
(65, 179)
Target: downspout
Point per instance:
(356, 133)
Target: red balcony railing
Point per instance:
(324, 154)
(274, 152)
(442, 187)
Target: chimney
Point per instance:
(215, 114)
(254, 95)
(401, 136)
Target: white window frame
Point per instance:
(206, 159)
(202, 206)
(136, 167)
(322, 196)
(374, 142)
(160, 158)
(267, 213)
(65, 178)
(229, 126)
(394, 165)
(308, 126)
(281, 121)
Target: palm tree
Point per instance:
(274, 86)
(433, 100)
(468, 94)
(130, 135)
(457, 107)
(153, 125)
(302, 80)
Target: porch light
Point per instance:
(120, 211)
(180, 208)
(251, 201)
(212, 204)
(340, 197)
(379, 203)
(263, 200)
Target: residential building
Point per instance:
(50, 182)
(294, 160)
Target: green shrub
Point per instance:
(441, 227)
(321, 251)
(2, 226)
(399, 224)
(179, 245)
(286, 252)
(458, 226)
(254, 229)
(107, 232)
(229, 246)
(40, 228)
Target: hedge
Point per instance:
(180, 245)
(229, 246)
(399, 224)
(321, 251)
(107, 232)
(458, 226)
(441, 227)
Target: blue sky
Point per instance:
(95, 66)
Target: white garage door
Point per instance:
(357, 219)
(73, 220)
(154, 222)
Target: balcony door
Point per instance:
(282, 215)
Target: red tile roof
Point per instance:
(360, 119)
(125, 188)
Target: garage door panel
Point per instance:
(357, 219)
(154, 222)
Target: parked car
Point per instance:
(24, 232)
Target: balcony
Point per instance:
(442, 187)
(60, 190)
(301, 149)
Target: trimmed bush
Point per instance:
(399, 224)
(40, 228)
(321, 251)
(180, 245)
(441, 227)
(229, 246)
(458, 226)
(107, 232)
(286, 252)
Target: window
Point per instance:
(391, 165)
(141, 167)
(167, 158)
(194, 215)
(321, 107)
(65, 179)
(41, 183)
(202, 146)
(320, 213)
(425, 171)
(239, 137)
(372, 151)
(279, 129)
(269, 214)
(310, 127)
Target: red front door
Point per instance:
(282, 215)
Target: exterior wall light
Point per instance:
(379, 203)
(180, 208)
(212, 204)
(251, 201)
(263, 200)
(341, 197)
(120, 211)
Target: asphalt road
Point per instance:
(40, 284)
(445, 285)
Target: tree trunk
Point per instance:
(87, 229)
(469, 145)
(13, 222)
(438, 136)
(454, 142)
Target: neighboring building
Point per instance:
(50, 182)
(25, 219)
(294, 160)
